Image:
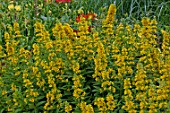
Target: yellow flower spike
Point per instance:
(111, 14)
(107, 23)
(112, 9)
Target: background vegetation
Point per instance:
(115, 59)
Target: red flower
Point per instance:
(87, 16)
(75, 31)
(82, 15)
(63, 1)
(91, 16)
(89, 28)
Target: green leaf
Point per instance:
(169, 104)
(40, 103)
(96, 94)
(97, 88)
(88, 72)
(121, 111)
(18, 111)
(40, 97)
(2, 109)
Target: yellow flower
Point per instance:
(32, 100)
(110, 102)
(46, 106)
(9, 109)
(100, 104)
(35, 94)
(25, 100)
(10, 50)
(27, 82)
(80, 11)
(154, 22)
(1, 48)
(82, 106)
(49, 12)
(141, 111)
(145, 21)
(4, 92)
(36, 49)
(77, 84)
(18, 8)
(89, 109)
(142, 105)
(78, 93)
(68, 108)
(58, 96)
(16, 104)
(132, 111)
(11, 6)
(16, 26)
(13, 87)
(35, 69)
